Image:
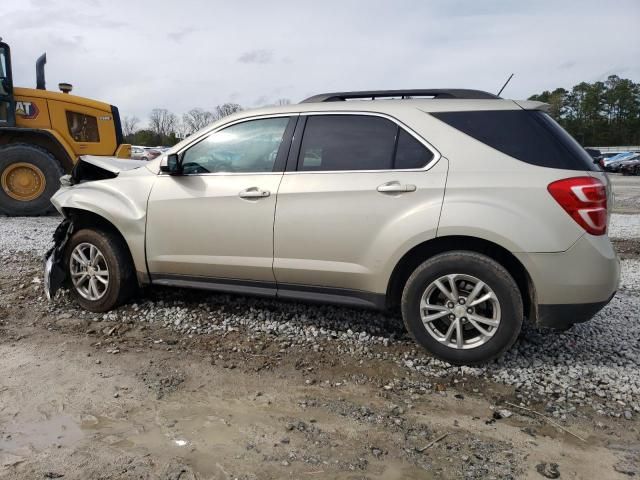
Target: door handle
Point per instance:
(254, 192)
(396, 187)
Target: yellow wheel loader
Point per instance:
(42, 134)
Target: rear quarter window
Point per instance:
(529, 136)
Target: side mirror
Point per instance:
(171, 164)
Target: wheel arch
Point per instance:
(48, 140)
(87, 219)
(425, 250)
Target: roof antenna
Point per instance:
(505, 84)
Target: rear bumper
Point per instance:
(572, 286)
(562, 316)
(588, 272)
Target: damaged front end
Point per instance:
(100, 192)
(54, 272)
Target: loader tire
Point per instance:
(29, 176)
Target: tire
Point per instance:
(49, 175)
(466, 269)
(120, 283)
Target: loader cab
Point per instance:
(7, 103)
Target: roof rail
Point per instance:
(435, 93)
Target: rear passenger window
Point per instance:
(410, 153)
(347, 142)
(530, 136)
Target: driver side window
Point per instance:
(250, 146)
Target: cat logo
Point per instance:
(27, 110)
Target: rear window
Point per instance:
(530, 136)
(347, 142)
(358, 142)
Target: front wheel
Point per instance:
(463, 307)
(99, 269)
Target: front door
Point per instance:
(7, 107)
(214, 223)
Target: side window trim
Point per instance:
(294, 153)
(293, 162)
(283, 150)
(285, 145)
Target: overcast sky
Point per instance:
(198, 53)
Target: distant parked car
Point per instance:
(630, 166)
(145, 153)
(137, 153)
(151, 153)
(597, 156)
(613, 164)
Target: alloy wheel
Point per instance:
(89, 271)
(460, 311)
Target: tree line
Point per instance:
(598, 114)
(166, 128)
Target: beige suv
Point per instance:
(467, 211)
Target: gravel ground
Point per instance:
(27, 234)
(624, 226)
(593, 365)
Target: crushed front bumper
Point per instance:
(54, 271)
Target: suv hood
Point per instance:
(91, 167)
(112, 164)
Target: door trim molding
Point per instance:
(285, 291)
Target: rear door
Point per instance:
(361, 187)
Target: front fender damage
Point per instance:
(55, 273)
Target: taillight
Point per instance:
(585, 200)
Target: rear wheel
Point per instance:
(29, 176)
(463, 307)
(99, 269)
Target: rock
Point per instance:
(502, 413)
(376, 452)
(626, 469)
(548, 470)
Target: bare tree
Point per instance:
(130, 125)
(195, 119)
(226, 109)
(162, 122)
(283, 101)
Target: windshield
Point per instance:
(3, 71)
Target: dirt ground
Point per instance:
(86, 399)
(81, 399)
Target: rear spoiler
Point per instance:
(532, 105)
